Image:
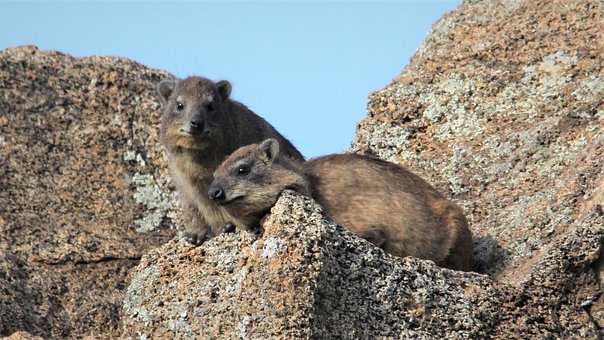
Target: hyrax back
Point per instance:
(380, 201)
(200, 126)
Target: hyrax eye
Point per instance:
(243, 170)
(179, 106)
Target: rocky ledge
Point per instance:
(309, 278)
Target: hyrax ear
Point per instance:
(165, 89)
(224, 89)
(269, 150)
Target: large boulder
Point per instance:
(82, 188)
(502, 110)
(306, 277)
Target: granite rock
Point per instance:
(80, 172)
(501, 109)
(306, 277)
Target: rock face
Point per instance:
(80, 173)
(304, 278)
(309, 278)
(502, 109)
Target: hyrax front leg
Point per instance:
(197, 229)
(229, 228)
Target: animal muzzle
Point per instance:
(216, 193)
(193, 127)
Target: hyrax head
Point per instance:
(194, 114)
(246, 183)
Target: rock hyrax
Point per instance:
(378, 200)
(200, 126)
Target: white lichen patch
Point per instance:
(243, 325)
(512, 5)
(547, 79)
(272, 247)
(590, 89)
(130, 155)
(156, 202)
(448, 101)
(239, 278)
(441, 28)
(387, 141)
(557, 63)
(225, 261)
(460, 122)
(134, 302)
(453, 167)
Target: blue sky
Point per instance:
(307, 67)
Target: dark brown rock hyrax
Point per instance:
(200, 126)
(380, 201)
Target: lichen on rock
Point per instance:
(158, 202)
(500, 109)
(328, 283)
(68, 207)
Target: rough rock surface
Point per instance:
(305, 277)
(309, 278)
(80, 173)
(502, 108)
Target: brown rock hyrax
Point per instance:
(379, 201)
(200, 126)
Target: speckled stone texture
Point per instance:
(501, 108)
(80, 172)
(233, 285)
(306, 277)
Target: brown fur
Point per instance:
(194, 151)
(380, 201)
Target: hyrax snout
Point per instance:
(200, 126)
(378, 200)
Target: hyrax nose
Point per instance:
(216, 193)
(196, 124)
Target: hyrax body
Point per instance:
(200, 126)
(379, 201)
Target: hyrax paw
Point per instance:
(229, 228)
(194, 238)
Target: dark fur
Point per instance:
(195, 151)
(380, 201)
